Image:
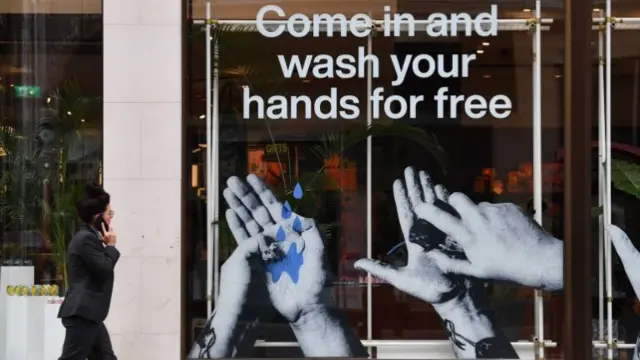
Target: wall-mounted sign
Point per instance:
(27, 91)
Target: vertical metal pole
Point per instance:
(215, 168)
(634, 110)
(369, 190)
(537, 167)
(577, 328)
(601, 184)
(607, 197)
(210, 248)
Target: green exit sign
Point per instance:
(26, 91)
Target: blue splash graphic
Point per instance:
(297, 225)
(297, 192)
(286, 210)
(280, 234)
(290, 264)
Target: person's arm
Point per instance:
(100, 260)
(324, 332)
(471, 325)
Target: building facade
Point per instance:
(172, 104)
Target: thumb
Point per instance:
(253, 246)
(452, 266)
(383, 271)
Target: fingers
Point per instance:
(381, 270)
(427, 187)
(241, 190)
(236, 226)
(266, 196)
(253, 246)
(452, 266)
(242, 213)
(468, 210)
(624, 247)
(442, 193)
(403, 207)
(447, 223)
(414, 191)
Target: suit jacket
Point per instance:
(90, 265)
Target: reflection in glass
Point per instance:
(50, 131)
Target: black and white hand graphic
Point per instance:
(461, 302)
(295, 264)
(501, 242)
(630, 258)
(223, 333)
(421, 277)
(294, 267)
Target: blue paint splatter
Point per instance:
(286, 210)
(297, 192)
(290, 264)
(280, 234)
(297, 225)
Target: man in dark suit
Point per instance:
(91, 258)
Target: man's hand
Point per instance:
(109, 236)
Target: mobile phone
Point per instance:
(101, 221)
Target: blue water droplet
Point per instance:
(286, 210)
(297, 192)
(281, 235)
(297, 225)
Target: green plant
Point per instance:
(625, 177)
(44, 175)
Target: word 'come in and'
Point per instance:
(360, 25)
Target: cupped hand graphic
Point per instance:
(421, 277)
(295, 272)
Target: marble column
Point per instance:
(142, 171)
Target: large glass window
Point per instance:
(615, 271)
(348, 184)
(50, 127)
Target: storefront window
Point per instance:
(325, 169)
(50, 129)
(624, 205)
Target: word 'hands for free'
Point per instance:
(421, 277)
(500, 242)
(293, 251)
(628, 253)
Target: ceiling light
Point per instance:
(486, 76)
(68, 112)
(485, 43)
(526, 10)
(480, 51)
(203, 116)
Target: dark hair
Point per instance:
(94, 201)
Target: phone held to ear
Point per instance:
(100, 221)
